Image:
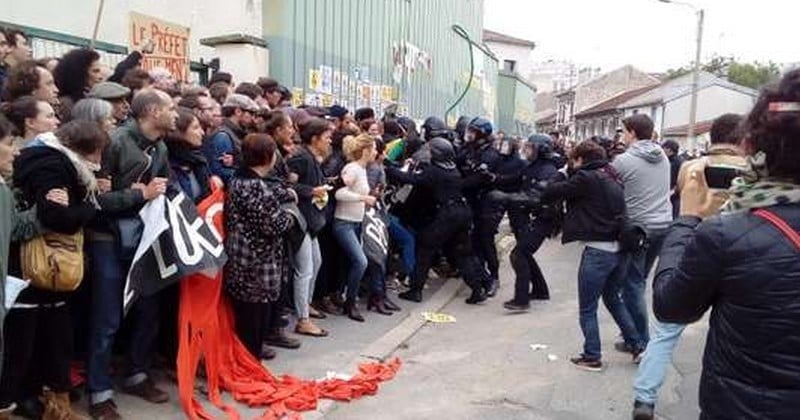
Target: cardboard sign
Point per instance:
(171, 44)
(314, 80)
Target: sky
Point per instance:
(651, 35)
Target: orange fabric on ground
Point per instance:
(206, 332)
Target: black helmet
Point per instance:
(543, 143)
(435, 127)
(481, 127)
(442, 152)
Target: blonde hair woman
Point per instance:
(351, 202)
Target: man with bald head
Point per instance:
(136, 163)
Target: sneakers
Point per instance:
(267, 353)
(591, 365)
(148, 391)
(512, 305)
(623, 347)
(637, 356)
(494, 285)
(643, 411)
(106, 410)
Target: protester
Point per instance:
(97, 111)
(271, 91)
(187, 162)
(251, 90)
(223, 148)
(255, 222)
(644, 170)
(595, 206)
(752, 340)
(38, 330)
(672, 150)
(219, 91)
(136, 79)
(4, 50)
(18, 48)
(77, 72)
(351, 201)
(136, 162)
(313, 198)
(203, 108)
(726, 134)
(222, 77)
(117, 96)
(162, 79)
(29, 78)
(30, 117)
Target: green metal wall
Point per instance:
(516, 104)
(356, 37)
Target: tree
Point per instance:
(753, 75)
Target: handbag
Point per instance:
(54, 261)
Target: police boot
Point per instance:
(478, 295)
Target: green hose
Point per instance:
(458, 29)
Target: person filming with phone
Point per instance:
(744, 265)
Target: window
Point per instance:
(509, 65)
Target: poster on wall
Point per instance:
(337, 84)
(171, 44)
(297, 97)
(326, 72)
(314, 80)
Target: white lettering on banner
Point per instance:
(377, 230)
(212, 212)
(165, 271)
(196, 240)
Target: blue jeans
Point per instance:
(348, 235)
(653, 368)
(405, 241)
(307, 263)
(596, 268)
(108, 281)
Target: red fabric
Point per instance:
(781, 225)
(206, 332)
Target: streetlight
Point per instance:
(696, 74)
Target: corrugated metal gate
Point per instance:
(373, 52)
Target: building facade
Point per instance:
(592, 92)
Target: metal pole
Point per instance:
(695, 82)
(96, 24)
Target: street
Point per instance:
(482, 367)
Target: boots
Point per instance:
(351, 310)
(57, 407)
(478, 295)
(391, 305)
(413, 295)
(376, 303)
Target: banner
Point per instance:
(171, 44)
(375, 236)
(176, 242)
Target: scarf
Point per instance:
(756, 189)
(84, 168)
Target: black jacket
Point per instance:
(187, 164)
(309, 175)
(477, 163)
(442, 185)
(595, 203)
(38, 170)
(749, 274)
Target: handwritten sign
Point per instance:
(171, 44)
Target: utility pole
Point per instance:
(695, 81)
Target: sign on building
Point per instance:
(171, 44)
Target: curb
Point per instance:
(383, 347)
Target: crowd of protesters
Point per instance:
(83, 148)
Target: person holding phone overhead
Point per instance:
(743, 265)
(724, 157)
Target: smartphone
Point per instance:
(721, 177)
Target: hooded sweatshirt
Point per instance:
(645, 172)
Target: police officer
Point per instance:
(532, 224)
(493, 206)
(478, 161)
(448, 232)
